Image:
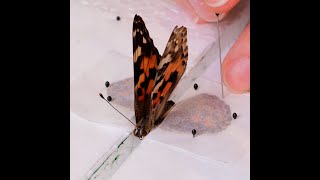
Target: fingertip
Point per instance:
(236, 75)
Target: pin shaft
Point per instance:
(116, 109)
(221, 80)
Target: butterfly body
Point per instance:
(155, 76)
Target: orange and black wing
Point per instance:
(171, 67)
(145, 61)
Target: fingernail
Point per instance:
(221, 6)
(237, 74)
(216, 3)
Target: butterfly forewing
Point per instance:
(170, 70)
(145, 61)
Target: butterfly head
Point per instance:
(140, 132)
(141, 129)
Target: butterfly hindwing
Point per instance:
(145, 59)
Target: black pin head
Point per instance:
(101, 95)
(195, 86)
(194, 132)
(118, 18)
(217, 14)
(109, 98)
(234, 115)
(107, 83)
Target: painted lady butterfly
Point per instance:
(155, 76)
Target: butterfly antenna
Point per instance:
(221, 81)
(116, 109)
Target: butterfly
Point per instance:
(155, 76)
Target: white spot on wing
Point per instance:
(144, 40)
(158, 85)
(176, 48)
(169, 44)
(164, 61)
(136, 54)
